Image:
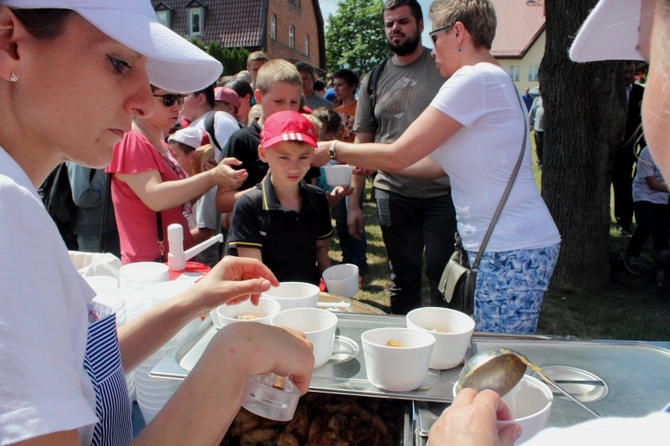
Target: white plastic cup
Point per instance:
(530, 403)
(400, 367)
(318, 326)
(342, 279)
(451, 329)
(294, 295)
(338, 175)
(246, 312)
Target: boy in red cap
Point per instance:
(284, 221)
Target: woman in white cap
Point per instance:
(71, 80)
(618, 30)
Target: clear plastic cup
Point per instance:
(271, 396)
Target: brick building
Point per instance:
(287, 29)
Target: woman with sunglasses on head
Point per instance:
(62, 360)
(147, 180)
(474, 131)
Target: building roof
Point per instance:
(237, 23)
(520, 23)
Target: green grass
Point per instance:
(630, 308)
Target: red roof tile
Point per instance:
(519, 25)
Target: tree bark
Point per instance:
(585, 108)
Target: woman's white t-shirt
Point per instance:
(480, 158)
(43, 320)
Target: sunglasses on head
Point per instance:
(433, 34)
(170, 99)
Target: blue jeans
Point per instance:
(510, 287)
(414, 230)
(353, 251)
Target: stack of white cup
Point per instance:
(152, 393)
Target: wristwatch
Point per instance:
(331, 150)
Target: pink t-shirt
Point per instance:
(135, 221)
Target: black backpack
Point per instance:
(56, 194)
(372, 89)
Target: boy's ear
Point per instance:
(261, 153)
(10, 28)
(258, 96)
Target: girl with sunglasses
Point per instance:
(147, 181)
(62, 361)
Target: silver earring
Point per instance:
(14, 78)
(459, 50)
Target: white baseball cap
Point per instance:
(191, 136)
(611, 32)
(174, 64)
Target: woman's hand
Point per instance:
(337, 194)
(233, 280)
(321, 156)
(226, 176)
(260, 348)
(471, 421)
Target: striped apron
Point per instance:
(102, 362)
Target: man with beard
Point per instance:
(417, 216)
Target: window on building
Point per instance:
(291, 36)
(532, 72)
(294, 3)
(164, 14)
(307, 44)
(196, 21)
(273, 27)
(514, 71)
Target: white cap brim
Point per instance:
(610, 32)
(174, 63)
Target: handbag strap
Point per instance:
(508, 189)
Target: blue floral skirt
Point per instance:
(509, 289)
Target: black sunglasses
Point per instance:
(433, 33)
(170, 99)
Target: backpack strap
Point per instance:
(209, 128)
(372, 89)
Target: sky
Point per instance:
(330, 7)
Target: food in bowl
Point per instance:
(393, 343)
(250, 317)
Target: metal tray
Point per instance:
(344, 374)
(635, 373)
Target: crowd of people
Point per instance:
(148, 101)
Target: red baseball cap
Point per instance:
(287, 126)
(227, 95)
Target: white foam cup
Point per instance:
(342, 279)
(451, 329)
(318, 326)
(294, 295)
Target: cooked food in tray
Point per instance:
(323, 419)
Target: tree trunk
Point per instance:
(584, 119)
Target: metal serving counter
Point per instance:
(615, 378)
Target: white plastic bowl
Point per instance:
(451, 329)
(141, 275)
(294, 295)
(397, 368)
(342, 279)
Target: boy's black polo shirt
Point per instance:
(287, 239)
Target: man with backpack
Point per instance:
(416, 216)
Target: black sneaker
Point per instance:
(631, 264)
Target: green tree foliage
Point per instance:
(355, 36)
(233, 60)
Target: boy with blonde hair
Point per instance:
(284, 221)
(278, 89)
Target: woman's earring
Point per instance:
(14, 78)
(459, 50)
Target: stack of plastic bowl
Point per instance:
(152, 393)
